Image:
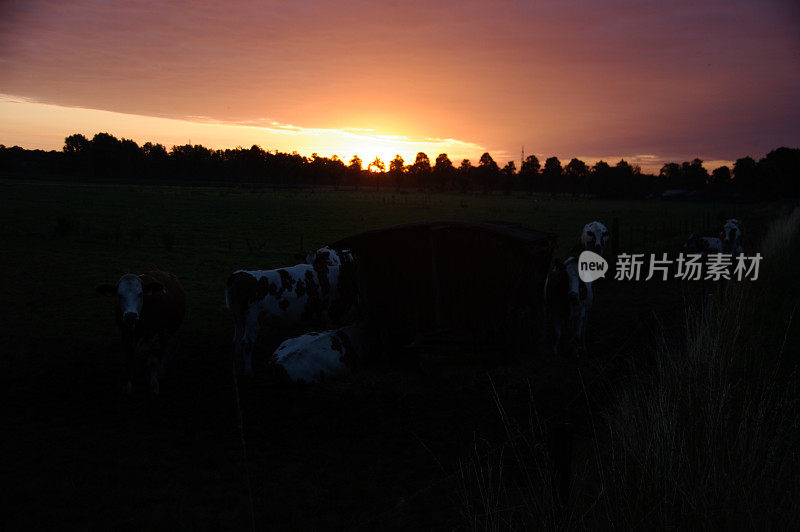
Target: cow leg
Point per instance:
(238, 334)
(130, 360)
(556, 336)
(153, 358)
(248, 342)
(165, 345)
(154, 387)
(247, 358)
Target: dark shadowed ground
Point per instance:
(377, 449)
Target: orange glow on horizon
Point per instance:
(35, 125)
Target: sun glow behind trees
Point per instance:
(36, 125)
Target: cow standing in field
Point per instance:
(731, 237)
(150, 308)
(314, 356)
(283, 298)
(703, 245)
(567, 302)
(594, 237)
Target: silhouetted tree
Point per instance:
(551, 175)
(76, 154)
(377, 168)
(377, 165)
(744, 175)
(397, 170)
(694, 174)
(109, 158)
(465, 171)
(509, 174)
(76, 143)
(778, 173)
(672, 175)
(622, 183)
(719, 182)
(529, 173)
(421, 171)
(488, 172)
(576, 172)
(354, 170)
(443, 172)
(599, 180)
(720, 175)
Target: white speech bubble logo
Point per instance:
(591, 266)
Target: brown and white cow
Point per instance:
(567, 302)
(149, 309)
(317, 355)
(285, 298)
(594, 237)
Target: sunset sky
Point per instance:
(647, 81)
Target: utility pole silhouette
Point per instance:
(522, 158)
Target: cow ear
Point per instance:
(153, 287)
(106, 289)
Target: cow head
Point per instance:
(731, 235)
(327, 256)
(594, 237)
(130, 292)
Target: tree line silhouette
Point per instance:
(107, 158)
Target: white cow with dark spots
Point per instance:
(567, 303)
(328, 255)
(594, 237)
(317, 355)
(285, 298)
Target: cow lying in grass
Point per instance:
(150, 308)
(314, 356)
(285, 298)
(567, 302)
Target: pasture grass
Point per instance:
(702, 433)
(81, 456)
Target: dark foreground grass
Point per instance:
(702, 435)
(78, 455)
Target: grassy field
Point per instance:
(345, 453)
